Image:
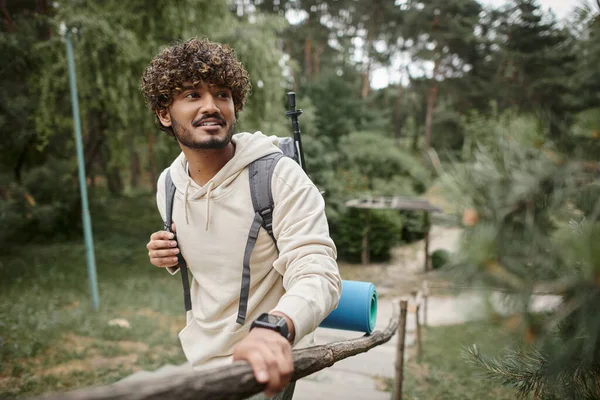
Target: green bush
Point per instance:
(439, 258)
(44, 208)
(414, 227)
(588, 198)
(385, 231)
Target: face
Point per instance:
(202, 117)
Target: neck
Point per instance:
(204, 164)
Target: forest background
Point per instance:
(496, 108)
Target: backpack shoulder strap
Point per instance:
(260, 173)
(289, 148)
(169, 199)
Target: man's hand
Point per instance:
(162, 249)
(270, 356)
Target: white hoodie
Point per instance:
(213, 221)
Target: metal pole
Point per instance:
(293, 113)
(85, 211)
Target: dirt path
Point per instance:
(405, 271)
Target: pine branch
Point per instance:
(519, 370)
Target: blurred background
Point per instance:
(488, 109)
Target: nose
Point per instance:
(208, 105)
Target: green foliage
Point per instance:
(113, 43)
(378, 159)
(384, 230)
(255, 43)
(339, 110)
(563, 365)
(43, 208)
(53, 322)
(536, 231)
(588, 199)
(443, 374)
(439, 258)
(368, 164)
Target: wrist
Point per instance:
(276, 322)
(290, 325)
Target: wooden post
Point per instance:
(400, 351)
(426, 225)
(419, 343)
(425, 297)
(365, 240)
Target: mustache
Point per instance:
(196, 123)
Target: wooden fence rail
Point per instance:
(232, 382)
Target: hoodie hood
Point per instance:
(248, 147)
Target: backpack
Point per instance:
(260, 172)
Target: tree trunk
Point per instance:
(95, 139)
(366, 81)
(371, 36)
(415, 138)
(308, 58)
(365, 259)
(152, 160)
(22, 158)
(111, 172)
(398, 113)
(366, 78)
(431, 101)
(317, 59)
(98, 149)
(8, 22)
(134, 164)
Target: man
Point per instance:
(197, 90)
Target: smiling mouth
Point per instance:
(211, 122)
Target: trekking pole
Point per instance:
(293, 114)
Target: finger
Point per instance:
(284, 366)
(259, 366)
(173, 227)
(161, 244)
(163, 253)
(161, 235)
(164, 262)
(271, 357)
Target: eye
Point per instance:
(224, 95)
(192, 95)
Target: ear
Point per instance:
(164, 117)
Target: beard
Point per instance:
(186, 138)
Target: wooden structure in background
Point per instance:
(394, 203)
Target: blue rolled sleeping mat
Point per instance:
(356, 310)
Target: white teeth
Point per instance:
(209, 124)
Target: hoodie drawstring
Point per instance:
(211, 185)
(185, 202)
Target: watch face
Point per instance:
(270, 319)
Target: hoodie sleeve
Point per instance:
(307, 254)
(161, 204)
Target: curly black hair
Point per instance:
(195, 60)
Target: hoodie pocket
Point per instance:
(203, 345)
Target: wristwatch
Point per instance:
(273, 322)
